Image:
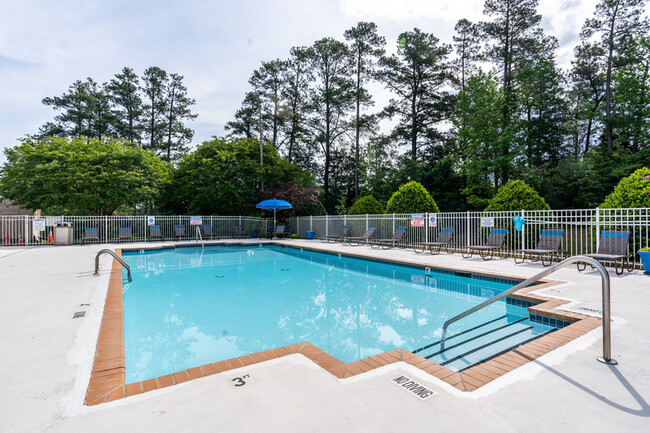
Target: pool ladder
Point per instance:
(607, 337)
(116, 257)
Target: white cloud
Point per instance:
(410, 10)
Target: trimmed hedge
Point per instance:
(631, 192)
(517, 195)
(366, 205)
(411, 197)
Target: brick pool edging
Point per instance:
(107, 380)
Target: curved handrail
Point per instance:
(607, 341)
(118, 258)
(198, 234)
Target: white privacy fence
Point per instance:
(581, 227)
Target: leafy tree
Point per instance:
(466, 44)
(516, 195)
(411, 197)
(297, 76)
(303, 198)
(617, 22)
(177, 111)
(366, 205)
(365, 46)
(418, 76)
(124, 93)
(631, 192)
(223, 177)
(85, 112)
(154, 85)
(331, 101)
(446, 183)
(80, 176)
(268, 83)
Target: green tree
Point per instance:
(632, 191)
(466, 44)
(366, 205)
(268, 82)
(80, 176)
(418, 75)
(297, 76)
(331, 101)
(124, 92)
(516, 195)
(223, 177)
(247, 121)
(154, 85)
(177, 111)
(365, 46)
(411, 197)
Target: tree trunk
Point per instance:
(358, 130)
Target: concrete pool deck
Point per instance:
(47, 358)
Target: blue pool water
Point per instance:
(188, 307)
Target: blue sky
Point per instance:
(47, 45)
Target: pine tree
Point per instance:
(177, 111)
(154, 85)
(124, 92)
(267, 82)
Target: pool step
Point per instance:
(482, 342)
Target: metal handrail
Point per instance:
(118, 258)
(198, 233)
(607, 340)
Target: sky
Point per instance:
(47, 45)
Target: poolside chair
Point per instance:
(336, 238)
(179, 232)
(124, 233)
(443, 239)
(494, 242)
(367, 236)
(154, 233)
(237, 232)
(207, 231)
(279, 231)
(91, 235)
(548, 245)
(613, 247)
(391, 242)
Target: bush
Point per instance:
(516, 195)
(631, 192)
(296, 236)
(645, 250)
(366, 205)
(411, 197)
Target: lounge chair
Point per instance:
(237, 232)
(124, 233)
(279, 231)
(494, 242)
(443, 239)
(207, 231)
(90, 235)
(613, 247)
(179, 232)
(389, 243)
(548, 245)
(336, 238)
(154, 233)
(367, 236)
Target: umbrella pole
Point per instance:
(274, 226)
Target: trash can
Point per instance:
(310, 235)
(63, 234)
(254, 233)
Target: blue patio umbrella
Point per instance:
(274, 205)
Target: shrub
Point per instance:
(645, 250)
(631, 192)
(411, 197)
(517, 195)
(366, 205)
(296, 236)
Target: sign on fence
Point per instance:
(38, 224)
(417, 220)
(151, 220)
(432, 220)
(196, 220)
(487, 222)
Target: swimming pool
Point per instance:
(188, 306)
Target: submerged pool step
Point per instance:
(473, 346)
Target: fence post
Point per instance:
(366, 222)
(393, 223)
(298, 225)
(523, 230)
(426, 227)
(597, 228)
(311, 223)
(468, 235)
(27, 238)
(327, 225)
(105, 229)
